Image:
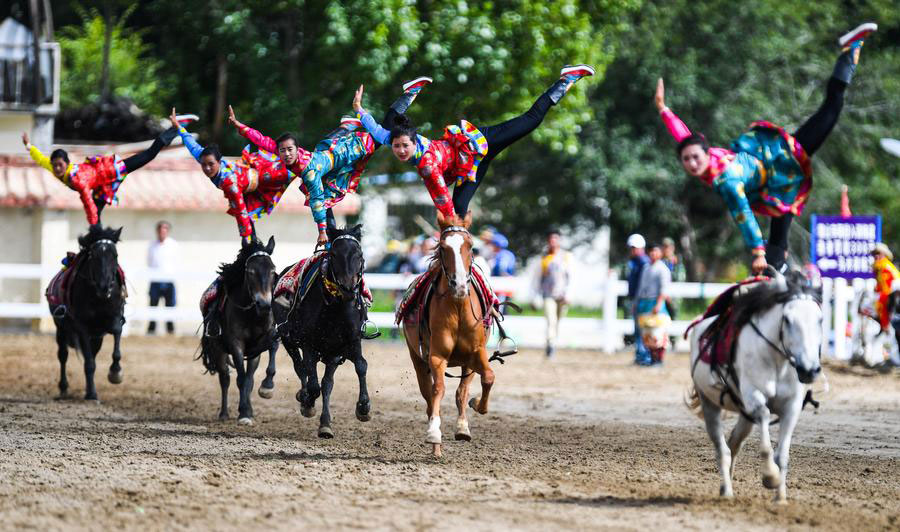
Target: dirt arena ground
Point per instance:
(584, 442)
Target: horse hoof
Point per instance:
(223, 416)
(363, 417)
(115, 377)
(771, 481)
(298, 396)
(92, 398)
(727, 493)
(63, 396)
(436, 450)
(307, 411)
(326, 433)
(463, 436)
(245, 421)
(266, 393)
(362, 412)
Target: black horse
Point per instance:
(94, 307)
(326, 325)
(243, 327)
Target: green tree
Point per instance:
(133, 73)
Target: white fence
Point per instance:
(605, 332)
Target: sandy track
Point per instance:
(584, 442)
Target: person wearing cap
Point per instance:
(887, 278)
(503, 262)
(636, 265)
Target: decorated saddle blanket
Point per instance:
(413, 307)
(57, 292)
(209, 295)
(299, 277)
(718, 341)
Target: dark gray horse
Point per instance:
(326, 325)
(243, 326)
(93, 308)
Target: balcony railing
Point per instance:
(17, 78)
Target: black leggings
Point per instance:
(811, 136)
(140, 159)
(815, 130)
(500, 137)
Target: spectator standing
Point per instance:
(503, 263)
(556, 272)
(653, 318)
(676, 267)
(636, 264)
(162, 257)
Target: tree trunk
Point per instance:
(221, 94)
(36, 48)
(107, 45)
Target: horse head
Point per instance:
(345, 260)
(454, 252)
(259, 274)
(101, 259)
(801, 326)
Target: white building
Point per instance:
(42, 220)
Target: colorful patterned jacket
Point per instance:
(766, 171)
(96, 180)
(330, 172)
(886, 275)
(456, 155)
(252, 188)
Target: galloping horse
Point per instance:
(246, 325)
(453, 333)
(777, 334)
(87, 302)
(323, 321)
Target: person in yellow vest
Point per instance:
(888, 280)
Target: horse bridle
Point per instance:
(252, 304)
(452, 229)
(90, 248)
(332, 285)
(783, 350)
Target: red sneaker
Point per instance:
(857, 34)
(576, 72)
(416, 85)
(350, 122)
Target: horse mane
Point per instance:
(97, 232)
(756, 300)
(770, 294)
(233, 273)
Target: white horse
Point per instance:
(776, 355)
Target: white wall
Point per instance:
(12, 124)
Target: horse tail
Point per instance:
(692, 401)
(207, 354)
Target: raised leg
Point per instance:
(267, 387)
(768, 469)
(312, 388)
(327, 384)
(115, 369)
(62, 353)
(362, 403)
(487, 381)
(712, 414)
(462, 398)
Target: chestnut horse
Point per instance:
(454, 333)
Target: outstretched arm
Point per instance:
(676, 127)
(381, 135)
(739, 206)
(36, 154)
(254, 136)
(187, 139)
